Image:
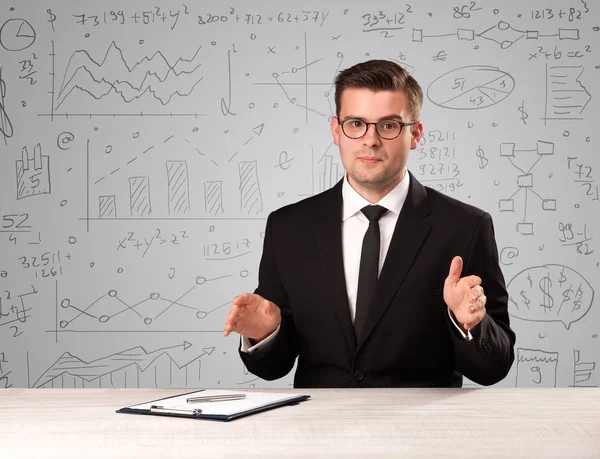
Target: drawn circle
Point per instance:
(136, 135)
(92, 264)
(275, 105)
(3, 274)
(346, 11)
(470, 125)
(280, 194)
(195, 129)
(293, 100)
(506, 44)
(201, 314)
(295, 130)
(252, 36)
(211, 228)
(72, 240)
(200, 280)
(147, 320)
(294, 69)
(112, 293)
(494, 124)
(496, 182)
(213, 43)
(588, 139)
(566, 134)
(476, 47)
(120, 270)
(519, 15)
(141, 42)
(503, 25)
(63, 203)
(340, 55)
(66, 303)
(471, 88)
(154, 296)
(297, 47)
(576, 206)
(103, 318)
(64, 139)
(275, 75)
(496, 10)
(108, 149)
(87, 35)
(251, 105)
(16, 35)
(95, 128)
(367, 54)
(63, 324)
(244, 273)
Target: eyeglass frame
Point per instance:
(402, 124)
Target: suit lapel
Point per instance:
(409, 235)
(329, 243)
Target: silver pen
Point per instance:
(216, 398)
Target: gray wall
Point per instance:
(142, 148)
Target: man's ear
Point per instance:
(335, 130)
(417, 133)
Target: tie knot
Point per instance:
(374, 213)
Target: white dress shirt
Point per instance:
(354, 227)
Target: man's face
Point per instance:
(374, 164)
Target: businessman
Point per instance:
(378, 281)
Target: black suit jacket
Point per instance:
(408, 338)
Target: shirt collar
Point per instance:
(352, 202)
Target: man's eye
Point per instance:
(389, 125)
(356, 123)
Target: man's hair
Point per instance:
(379, 75)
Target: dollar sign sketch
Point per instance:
(481, 155)
(524, 114)
(547, 300)
(525, 299)
(6, 128)
(52, 18)
(562, 277)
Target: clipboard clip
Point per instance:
(178, 411)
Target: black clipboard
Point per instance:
(160, 407)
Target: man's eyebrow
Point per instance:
(355, 117)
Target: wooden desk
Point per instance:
(438, 423)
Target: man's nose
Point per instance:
(371, 138)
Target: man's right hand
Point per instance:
(252, 316)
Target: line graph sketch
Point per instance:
(174, 366)
(153, 77)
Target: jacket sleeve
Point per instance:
(487, 358)
(278, 358)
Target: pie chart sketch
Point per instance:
(16, 35)
(471, 88)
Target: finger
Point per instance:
(479, 305)
(471, 281)
(230, 320)
(476, 292)
(242, 299)
(455, 270)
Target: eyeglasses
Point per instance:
(389, 129)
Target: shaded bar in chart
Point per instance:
(107, 206)
(139, 196)
(250, 197)
(179, 190)
(213, 197)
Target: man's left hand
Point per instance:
(464, 296)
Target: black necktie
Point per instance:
(369, 266)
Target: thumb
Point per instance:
(455, 270)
